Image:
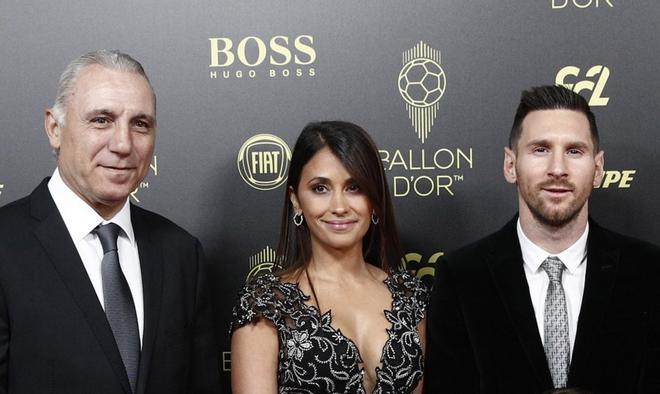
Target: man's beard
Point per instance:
(551, 215)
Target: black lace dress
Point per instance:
(316, 358)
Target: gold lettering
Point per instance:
(261, 51)
(626, 178)
(610, 178)
(398, 180)
(226, 361)
(443, 166)
(398, 160)
(555, 5)
(467, 158)
(254, 162)
(444, 185)
(281, 50)
(306, 48)
(276, 162)
(216, 50)
(596, 97)
(154, 165)
(565, 72)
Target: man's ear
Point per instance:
(600, 168)
(53, 130)
(509, 167)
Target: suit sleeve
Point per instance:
(205, 375)
(4, 344)
(650, 375)
(450, 364)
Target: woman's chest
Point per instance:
(315, 357)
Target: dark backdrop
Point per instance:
(435, 83)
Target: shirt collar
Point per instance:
(534, 256)
(80, 218)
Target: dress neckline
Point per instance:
(388, 283)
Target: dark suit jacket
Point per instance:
(483, 337)
(54, 336)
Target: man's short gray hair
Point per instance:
(114, 60)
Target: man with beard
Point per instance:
(551, 300)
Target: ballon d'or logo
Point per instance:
(263, 161)
(261, 263)
(422, 83)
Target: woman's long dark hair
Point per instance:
(358, 153)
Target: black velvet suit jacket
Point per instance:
(483, 336)
(54, 336)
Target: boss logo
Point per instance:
(594, 80)
(253, 51)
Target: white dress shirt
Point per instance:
(81, 219)
(572, 279)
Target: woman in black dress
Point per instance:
(338, 315)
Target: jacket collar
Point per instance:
(54, 237)
(506, 267)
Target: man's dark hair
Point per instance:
(551, 97)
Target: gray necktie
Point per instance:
(118, 303)
(555, 324)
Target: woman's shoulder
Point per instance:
(409, 288)
(407, 280)
(266, 296)
(264, 281)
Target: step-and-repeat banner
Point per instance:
(436, 83)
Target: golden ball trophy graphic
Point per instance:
(422, 83)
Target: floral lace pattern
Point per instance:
(315, 358)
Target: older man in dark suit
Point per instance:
(551, 300)
(97, 295)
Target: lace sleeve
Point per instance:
(256, 299)
(415, 292)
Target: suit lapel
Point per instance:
(54, 237)
(506, 267)
(151, 260)
(602, 262)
